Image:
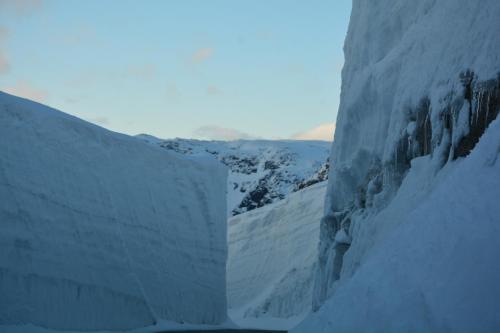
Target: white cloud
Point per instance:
(144, 71)
(201, 55)
(172, 92)
(213, 90)
(26, 90)
(3, 33)
(4, 63)
(70, 100)
(99, 120)
(220, 133)
(264, 34)
(21, 7)
(322, 132)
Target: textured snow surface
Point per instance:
(410, 233)
(434, 264)
(272, 258)
(260, 171)
(102, 231)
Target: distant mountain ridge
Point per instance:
(260, 171)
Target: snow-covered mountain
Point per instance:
(260, 171)
(272, 259)
(99, 230)
(409, 240)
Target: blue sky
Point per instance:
(179, 68)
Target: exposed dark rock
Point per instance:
(270, 165)
(262, 174)
(320, 176)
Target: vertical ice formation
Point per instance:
(99, 230)
(420, 86)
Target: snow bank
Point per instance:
(407, 208)
(272, 257)
(102, 231)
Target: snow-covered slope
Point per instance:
(99, 230)
(272, 258)
(260, 171)
(411, 220)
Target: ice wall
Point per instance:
(99, 230)
(420, 86)
(430, 260)
(420, 78)
(272, 258)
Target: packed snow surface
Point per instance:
(410, 234)
(272, 258)
(261, 172)
(160, 326)
(102, 231)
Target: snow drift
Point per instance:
(409, 235)
(272, 258)
(102, 231)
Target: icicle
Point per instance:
(478, 108)
(412, 153)
(426, 149)
(396, 158)
(487, 111)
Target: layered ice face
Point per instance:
(414, 166)
(102, 231)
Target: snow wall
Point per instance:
(411, 224)
(102, 231)
(273, 257)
